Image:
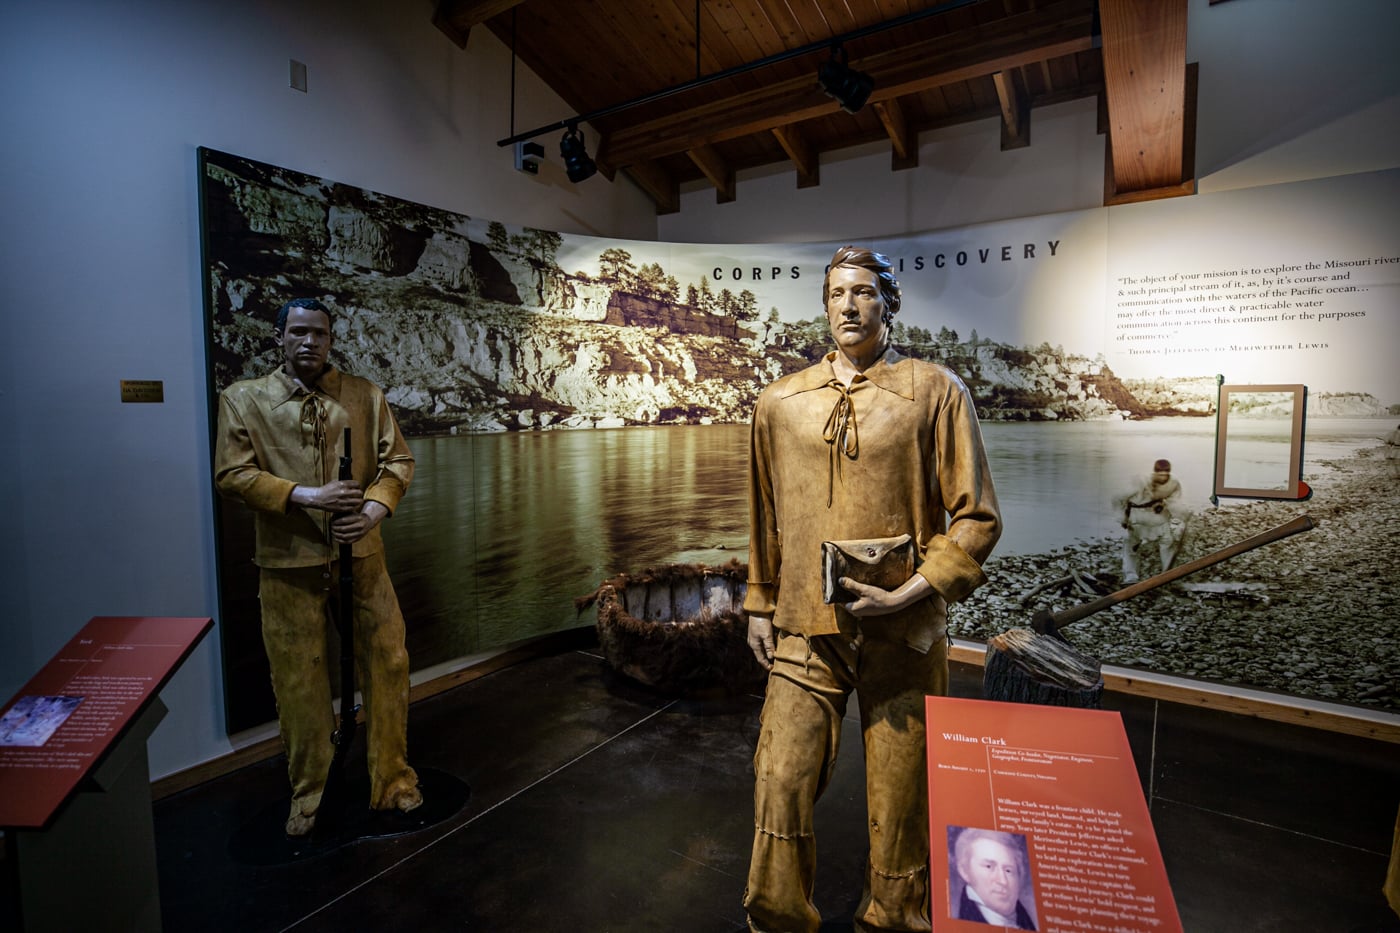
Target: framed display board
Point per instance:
(1259, 445)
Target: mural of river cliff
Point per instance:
(578, 408)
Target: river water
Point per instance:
(499, 533)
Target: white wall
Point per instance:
(1294, 89)
(1289, 90)
(104, 106)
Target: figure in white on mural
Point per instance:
(1154, 515)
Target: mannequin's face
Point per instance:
(306, 343)
(856, 310)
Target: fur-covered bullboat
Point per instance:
(679, 628)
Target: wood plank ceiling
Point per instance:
(974, 61)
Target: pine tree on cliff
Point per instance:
(615, 266)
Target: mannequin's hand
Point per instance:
(761, 640)
(873, 601)
(351, 527)
(341, 495)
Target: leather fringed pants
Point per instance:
(798, 741)
(294, 627)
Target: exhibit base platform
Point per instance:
(263, 839)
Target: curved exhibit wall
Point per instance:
(578, 406)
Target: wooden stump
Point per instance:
(1024, 667)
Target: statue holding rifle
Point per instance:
(277, 451)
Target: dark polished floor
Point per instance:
(597, 806)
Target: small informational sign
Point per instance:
(58, 727)
(1037, 821)
(143, 390)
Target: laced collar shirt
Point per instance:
(898, 451)
(275, 434)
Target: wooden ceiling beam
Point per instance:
(1113, 194)
(804, 157)
(904, 141)
(1144, 65)
(457, 17)
(1015, 111)
(1059, 28)
(1056, 29)
(717, 170)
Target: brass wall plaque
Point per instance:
(143, 390)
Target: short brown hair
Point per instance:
(877, 263)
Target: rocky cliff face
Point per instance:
(1018, 385)
(627, 310)
(468, 337)
(457, 370)
(1192, 396)
(1345, 405)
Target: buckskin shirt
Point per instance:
(906, 457)
(273, 436)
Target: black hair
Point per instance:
(309, 304)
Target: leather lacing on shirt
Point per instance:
(313, 417)
(840, 435)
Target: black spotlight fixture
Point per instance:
(576, 161)
(850, 88)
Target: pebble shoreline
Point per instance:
(1316, 616)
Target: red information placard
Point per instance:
(56, 730)
(1036, 813)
